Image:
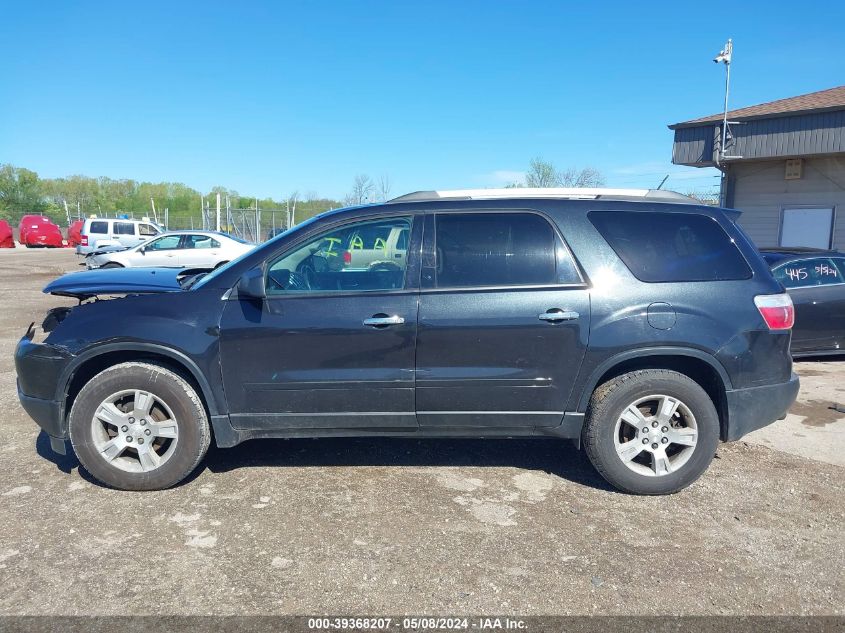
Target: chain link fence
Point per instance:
(250, 224)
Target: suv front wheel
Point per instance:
(651, 431)
(139, 426)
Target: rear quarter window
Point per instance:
(671, 247)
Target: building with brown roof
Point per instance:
(783, 166)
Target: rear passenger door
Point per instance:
(124, 233)
(198, 251)
(503, 322)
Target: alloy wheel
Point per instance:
(655, 435)
(134, 430)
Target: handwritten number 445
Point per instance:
(822, 270)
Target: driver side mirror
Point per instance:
(252, 284)
(143, 250)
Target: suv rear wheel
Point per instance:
(651, 431)
(139, 426)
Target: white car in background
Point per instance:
(174, 249)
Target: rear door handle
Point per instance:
(557, 314)
(382, 320)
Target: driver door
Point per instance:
(332, 345)
(162, 251)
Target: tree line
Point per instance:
(22, 191)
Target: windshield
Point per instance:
(268, 245)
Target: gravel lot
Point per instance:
(404, 526)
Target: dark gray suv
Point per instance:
(637, 323)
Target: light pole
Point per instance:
(724, 57)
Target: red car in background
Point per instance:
(6, 239)
(74, 237)
(26, 222)
(37, 230)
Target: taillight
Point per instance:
(83, 239)
(347, 257)
(777, 310)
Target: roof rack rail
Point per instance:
(657, 195)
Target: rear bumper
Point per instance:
(755, 407)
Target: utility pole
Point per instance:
(217, 224)
(257, 222)
(155, 215)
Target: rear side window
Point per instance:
(819, 271)
(200, 241)
(99, 227)
(124, 228)
(498, 249)
(666, 247)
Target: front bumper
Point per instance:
(39, 368)
(755, 407)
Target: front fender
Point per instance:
(210, 396)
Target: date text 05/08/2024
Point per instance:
(415, 623)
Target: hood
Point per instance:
(116, 281)
(107, 250)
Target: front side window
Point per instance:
(99, 227)
(166, 243)
(147, 230)
(351, 258)
(819, 271)
(499, 249)
(124, 228)
(667, 247)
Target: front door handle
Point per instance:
(383, 320)
(555, 315)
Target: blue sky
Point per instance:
(270, 97)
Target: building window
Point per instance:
(807, 227)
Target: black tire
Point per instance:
(194, 434)
(112, 265)
(607, 405)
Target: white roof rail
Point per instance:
(591, 193)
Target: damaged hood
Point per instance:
(117, 281)
(106, 250)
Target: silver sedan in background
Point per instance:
(174, 249)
